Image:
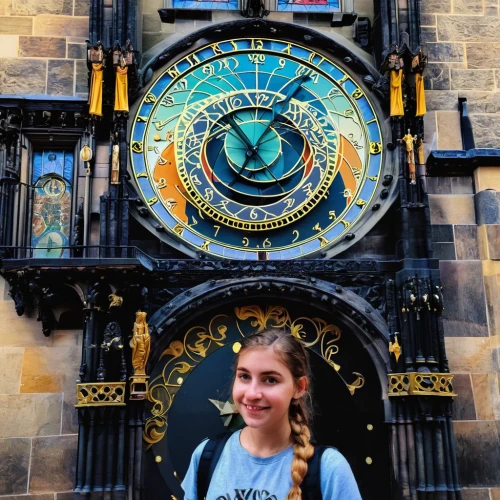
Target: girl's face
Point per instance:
(264, 388)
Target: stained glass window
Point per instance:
(309, 6)
(51, 223)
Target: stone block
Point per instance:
(466, 242)
(50, 369)
(463, 405)
(462, 185)
(489, 239)
(443, 251)
(469, 354)
(448, 130)
(61, 77)
(464, 299)
(23, 76)
(441, 100)
(467, 6)
(14, 466)
(152, 6)
(468, 29)
(429, 35)
(495, 494)
(437, 77)
(42, 46)
(36, 415)
(482, 386)
(445, 52)
(436, 7)
(61, 26)
(77, 51)
(69, 413)
(428, 19)
(492, 289)
(9, 44)
(464, 79)
(481, 102)
(452, 209)
(483, 55)
(16, 25)
(442, 233)
(475, 494)
(486, 130)
(438, 185)
(486, 201)
(11, 363)
(491, 11)
(82, 82)
(477, 443)
(151, 23)
(430, 138)
(53, 463)
(5, 7)
(36, 7)
(82, 7)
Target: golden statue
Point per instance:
(140, 344)
(115, 300)
(115, 164)
(409, 140)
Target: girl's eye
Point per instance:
(271, 380)
(243, 376)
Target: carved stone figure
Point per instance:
(115, 164)
(140, 344)
(409, 141)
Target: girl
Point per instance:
(268, 459)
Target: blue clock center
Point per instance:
(265, 150)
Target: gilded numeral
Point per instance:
(193, 59)
(142, 119)
(357, 94)
(346, 223)
(195, 180)
(170, 203)
(322, 241)
(257, 58)
(142, 174)
(343, 79)
(217, 50)
(152, 200)
(375, 148)
(287, 49)
(266, 243)
(206, 246)
(331, 215)
(193, 221)
(217, 229)
(209, 194)
(257, 44)
(173, 72)
(150, 98)
(297, 234)
(161, 183)
(161, 160)
(373, 177)
(317, 227)
(178, 229)
(361, 203)
(137, 147)
(245, 242)
(167, 101)
(307, 188)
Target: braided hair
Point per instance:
(295, 357)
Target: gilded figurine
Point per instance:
(115, 300)
(140, 344)
(395, 348)
(409, 141)
(115, 164)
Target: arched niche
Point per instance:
(191, 364)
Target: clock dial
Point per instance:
(252, 149)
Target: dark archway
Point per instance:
(199, 328)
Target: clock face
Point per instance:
(256, 149)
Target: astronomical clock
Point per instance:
(258, 149)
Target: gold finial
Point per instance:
(395, 348)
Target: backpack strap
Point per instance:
(208, 461)
(311, 485)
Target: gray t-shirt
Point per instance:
(242, 476)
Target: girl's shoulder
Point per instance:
(332, 457)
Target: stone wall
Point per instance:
(38, 425)
(43, 46)
(464, 61)
(467, 245)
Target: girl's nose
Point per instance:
(254, 392)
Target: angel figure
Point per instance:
(140, 344)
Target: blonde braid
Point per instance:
(303, 450)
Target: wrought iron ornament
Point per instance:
(256, 149)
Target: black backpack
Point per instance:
(311, 486)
